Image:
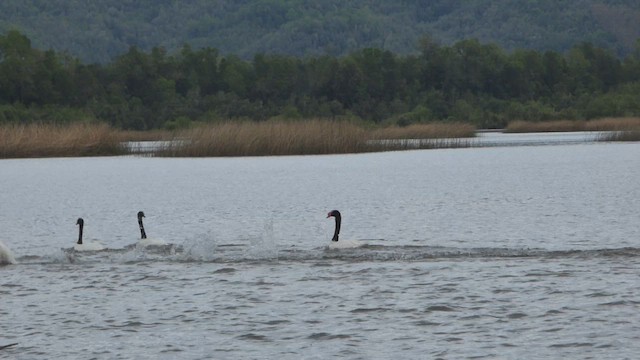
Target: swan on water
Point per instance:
(6, 256)
(342, 244)
(85, 246)
(144, 241)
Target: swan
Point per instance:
(6, 256)
(85, 246)
(144, 241)
(344, 244)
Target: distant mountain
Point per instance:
(97, 31)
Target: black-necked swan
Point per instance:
(342, 244)
(6, 256)
(144, 241)
(85, 246)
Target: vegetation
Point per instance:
(245, 138)
(425, 131)
(606, 124)
(98, 31)
(308, 137)
(470, 82)
(36, 140)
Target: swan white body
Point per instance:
(85, 245)
(345, 244)
(150, 242)
(336, 243)
(6, 256)
(89, 246)
(144, 240)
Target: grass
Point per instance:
(605, 124)
(275, 137)
(268, 138)
(315, 136)
(38, 140)
(426, 131)
(630, 135)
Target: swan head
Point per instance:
(80, 222)
(334, 213)
(140, 215)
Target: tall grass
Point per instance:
(38, 140)
(269, 138)
(426, 131)
(544, 126)
(275, 137)
(605, 124)
(316, 136)
(614, 124)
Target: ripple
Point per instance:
(253, 337)
(367, 310)
(426, 323)
(436, 308)
(227, 270)
(327, 336)
(517, 315)
(570, 345)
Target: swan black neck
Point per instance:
(143, 235)
(336, 214)
(80, 224)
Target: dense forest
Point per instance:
(98, 31)
(468, 81)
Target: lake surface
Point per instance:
(521, 252)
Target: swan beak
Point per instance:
(328, 215)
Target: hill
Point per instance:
(98, 31)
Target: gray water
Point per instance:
(506, 252)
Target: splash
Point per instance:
(6, 256)
(265, 246)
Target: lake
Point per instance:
(504, 252)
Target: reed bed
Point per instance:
(316, 136)
(605, 124)
(628, 135)
(544, 126)
(614, 124)
(426, 131)
(268, 138)
(38, 140)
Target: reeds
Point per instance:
(614, 124)
(275, 137)
(544, 126)
(426, 131)
(308, 137)
(38, 140)
(269, 138)
(605, 124)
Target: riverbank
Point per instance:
(245, 138)
(316, 136)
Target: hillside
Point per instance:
(99, 31)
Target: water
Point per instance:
(500, 252)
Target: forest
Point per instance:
(98, 31)
(468, 81)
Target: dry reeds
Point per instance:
(426, 131)
(605, 124)
(37, 140)
(269, 138)
(316, 136)
(544, 126)
(614, 124)
(276, 137)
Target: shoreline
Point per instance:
(279, 138)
